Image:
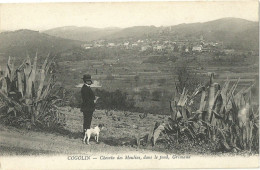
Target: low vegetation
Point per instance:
(160, 59)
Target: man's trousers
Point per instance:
(87, 118)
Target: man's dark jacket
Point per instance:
(88, 98)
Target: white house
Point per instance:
(197, 48)
(159, 48)
(229, 51)
(111, 44)
(134, 45)
(126, 44)
(146, 47)
(87, 46)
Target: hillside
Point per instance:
(233, 32)
(135, 32)
(22, 42)
(81, 33)
(90, 33)
(225, 24)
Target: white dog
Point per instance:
(95, 131)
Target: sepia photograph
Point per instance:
(129, 85)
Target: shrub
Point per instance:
(186, 79)
(160, 59)
(144, 93)
(162, 81)
(116, 100)
(156, 95)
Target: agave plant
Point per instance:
(28, 92)
(222, 116)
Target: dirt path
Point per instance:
(115, 139)
(112, 140)
(22, 142)
(54, 151)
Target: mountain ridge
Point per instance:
(227, 30)
(80, 33)
(25, 42)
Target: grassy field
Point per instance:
(119, 129)
(130, 74)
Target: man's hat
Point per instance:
(87, 77)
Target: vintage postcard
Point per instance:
(129, 85)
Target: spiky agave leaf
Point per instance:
(33, 74)
(184, 113)
(4, 85)
(230, 94)
(7, 69)
(10, 102)
(183, 98)
(202, 100)
(12, 72)
(46, 91)
(8, 75)
(211, 100)
(195, 93)
(28, 80)
(216, 107)
(239, 98)
(19, 82)
(173, 110)
(42, 78)
(224, 91)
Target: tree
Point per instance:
(162, 81)
(113, 100)
(137, 78)
(183, 48)
(176, 48)
(186, 78)
(156, 95)
(144, 93)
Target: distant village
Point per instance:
(186, 46)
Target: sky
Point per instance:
(42, 16)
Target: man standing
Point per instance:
(88, 101)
